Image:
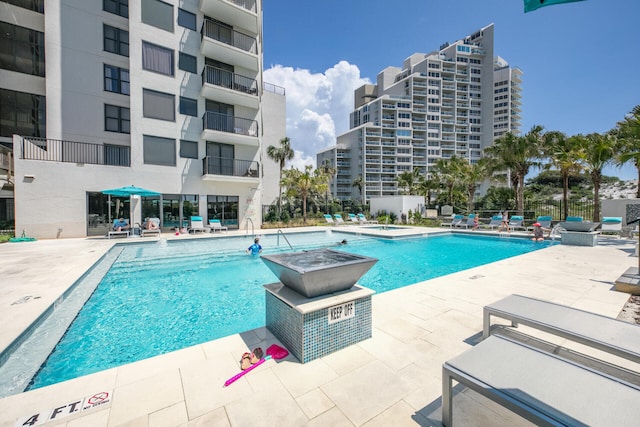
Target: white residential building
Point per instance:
(436, 106)
(164, 95)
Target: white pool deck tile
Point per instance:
(392, 379)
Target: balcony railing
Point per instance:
(230, 167)
(227, 79)
(245, 4)
(269, 87)
(226, 35)
(230, 124)
(55, 150)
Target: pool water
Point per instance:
(158, 298)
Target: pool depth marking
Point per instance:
(80, 405)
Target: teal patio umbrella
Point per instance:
(530, 5)
(128, 191)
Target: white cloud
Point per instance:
(318, 106)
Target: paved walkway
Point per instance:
(392, 379)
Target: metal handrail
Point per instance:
(278, 233)
(246, 227)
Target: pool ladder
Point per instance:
(278, 233)
(246, 227)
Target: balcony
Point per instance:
(225, 169)
(55, 150)
(229, 129)
(239, 13)
(230, 46)
(230, 88)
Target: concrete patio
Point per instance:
(392, 379)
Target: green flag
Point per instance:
(530, 5)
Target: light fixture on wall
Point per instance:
(29, 177)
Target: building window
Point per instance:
(159, 151)
(117, 7)
(188, 149)
(22, 114)
(156, 58)
(188, 63)
(117, 119)
(116, 40)
(188, 106)
(116, 79)
(158, 105)
(158, 13)
(35, 5)
(21, 49)
(116, 155)
(186, 19)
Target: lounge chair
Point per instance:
(329, 219)
(455, 221)
(495, 222)
(470, 222)
(216, 225)
(197, 225)
(611, 224)
(353, 218)
(338, 219)
(363, 219)
(114, 232)
(573, 219)
(145, 231)
(516, 222)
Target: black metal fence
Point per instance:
(56, 150)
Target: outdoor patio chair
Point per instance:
(611, 224)
(329, 219)
(197, 225)
(516, 221)
(364, 220)
(457, 219)
(354, 218)
(495, 222)
(113, 232)
(338, 219)
(216, 225)
(147, 231)
(544, 221)
(469, 223)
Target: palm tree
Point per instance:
(408, 180)
(450, 172)
(563, 154)
(516, 154)
(359, 184)
(281, 155)
(303, 184)
(329, 171)
(597, 151)
(472, 176)
(628, 133)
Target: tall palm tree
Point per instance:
(516, 154)
(597, 151)
(281, 155)
(303, 184)
(329, 172)
(472, 176)
(408, 180)
(563, 154)
(450, 172)
(359, 184)
(628, 133)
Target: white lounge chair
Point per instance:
(338, 219)
(455, 221)
(544, 221)
(146, 231)
(495, 222)
(216, 225)
(114, 232)
(197, 225)
(470, 222)
(353, 218)
(611, 224)
(363, 219)
(516, 221)
(329, 219)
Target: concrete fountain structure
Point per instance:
(317, 307)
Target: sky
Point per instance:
(580, 60)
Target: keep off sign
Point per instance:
(79, 405)
(341, 312)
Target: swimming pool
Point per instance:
(157, 298)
